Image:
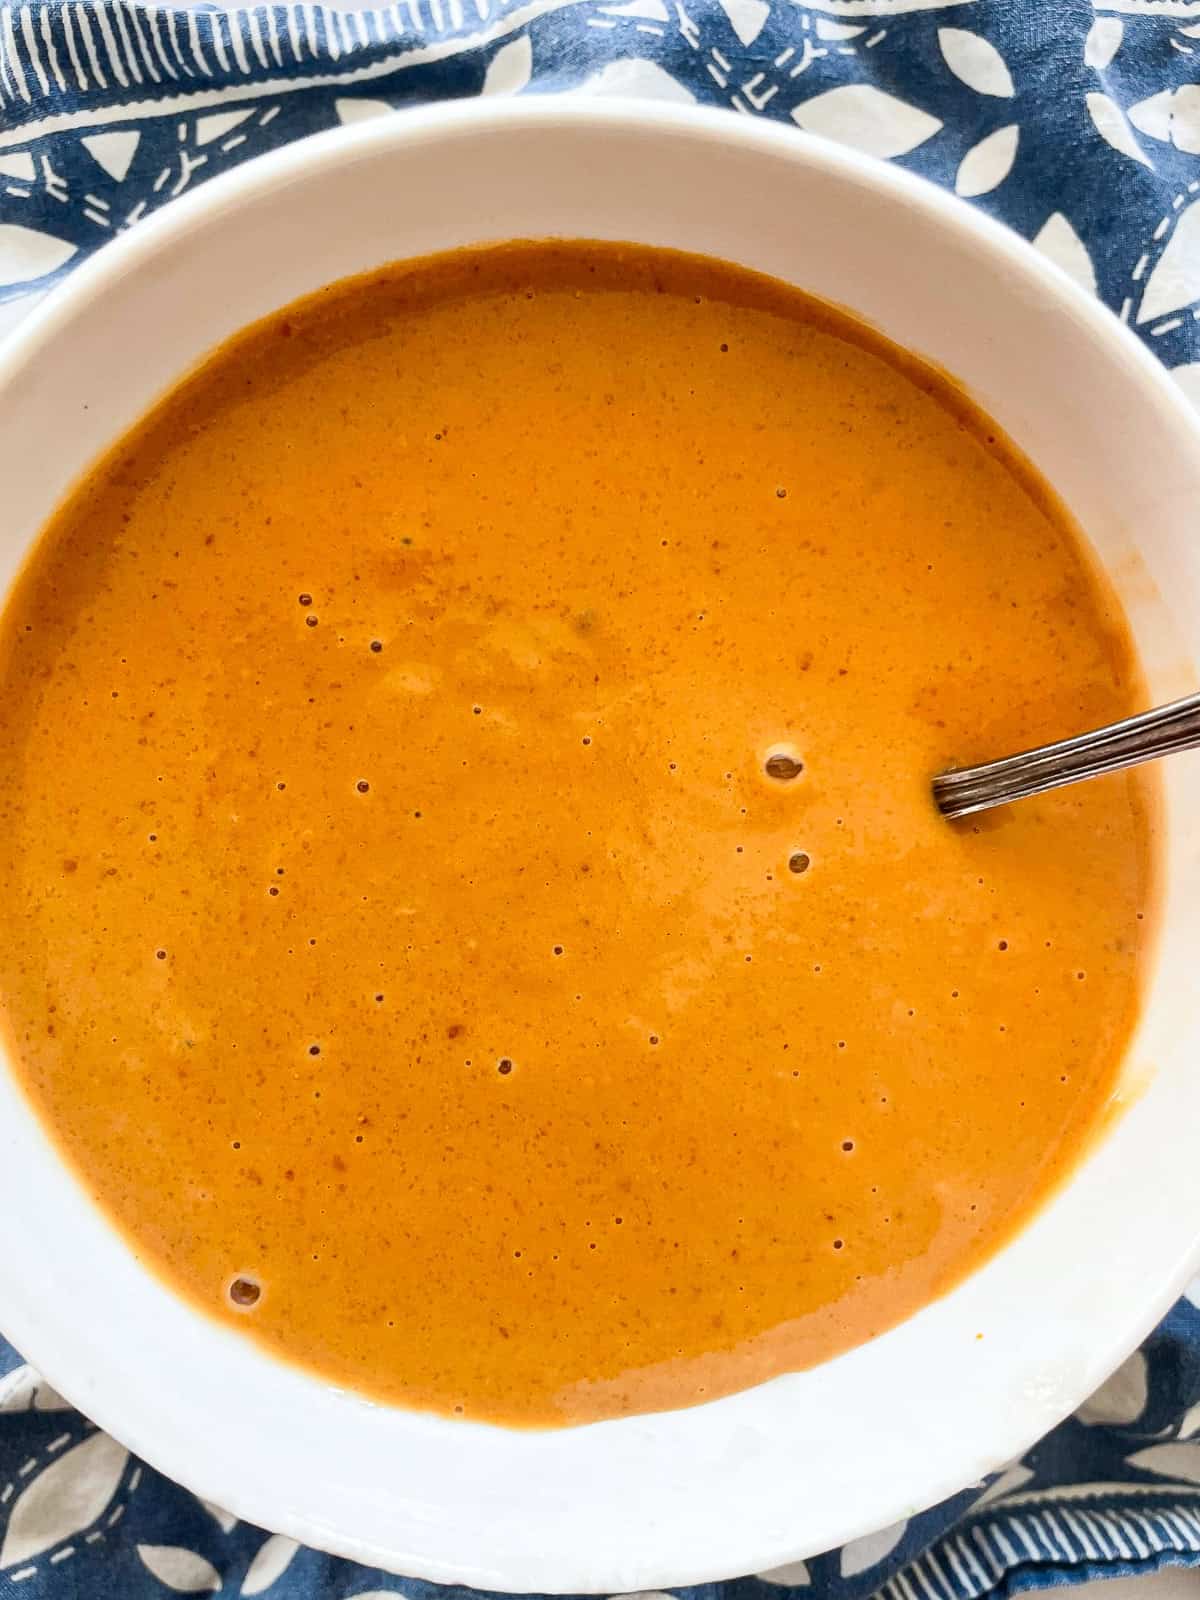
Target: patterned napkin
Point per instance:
(1077, 123)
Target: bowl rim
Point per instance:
(166, 1449)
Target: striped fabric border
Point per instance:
(108, 50)
(981, 1554)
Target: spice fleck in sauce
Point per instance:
(471, 908)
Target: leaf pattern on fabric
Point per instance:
(1109, 122)
(360, 109)
(644, 80)
(1010, 1480)
(1103, 42)
(1179, 1462)
(271, 1562)
(1122, 1399)
(863, 1554)
(1171, 116)
(29, 253)
(64, 1499)
(510, 69)
(225, 1520)
(1174, 282)
(986, 166)
(1058, 241)
(795, 1575)
(23, 1389)
(976, 61)
(185, 1571)
(867, 119)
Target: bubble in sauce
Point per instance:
(783, 766)
(244, 1293)
(799, 861)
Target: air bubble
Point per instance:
(799, 861)
(362, 786)
(504, 1066)
(783, 766)
(305, 600)
(244, 1293)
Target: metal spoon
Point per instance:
(1122, 744)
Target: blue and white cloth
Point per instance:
(1075, 121)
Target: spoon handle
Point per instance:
(1160, 732)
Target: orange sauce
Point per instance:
(400, 928)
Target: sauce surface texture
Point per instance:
(398, 916)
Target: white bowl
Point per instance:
(807, 1461)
